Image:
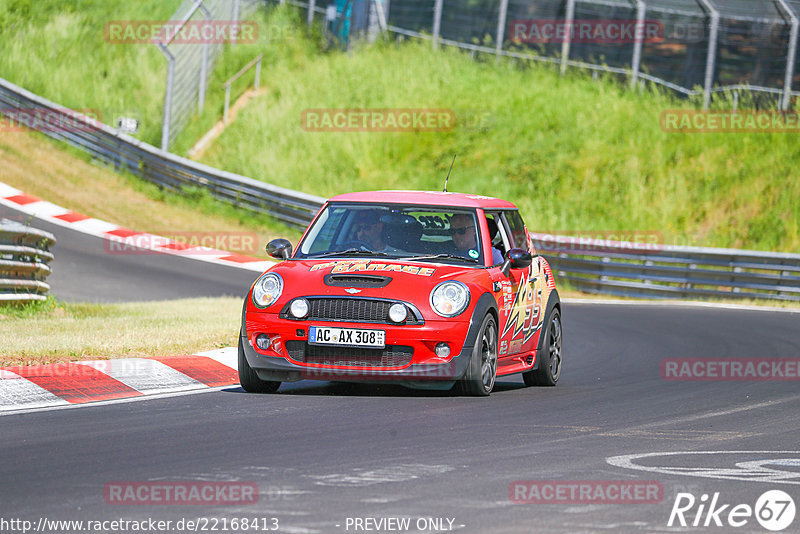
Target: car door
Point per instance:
(520, 299)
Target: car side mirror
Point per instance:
(280, 249)
(516, 258)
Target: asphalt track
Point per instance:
(321, 453)
(84, 270)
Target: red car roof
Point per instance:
(426, 198)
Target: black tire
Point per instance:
(549, 355)
(482, 370)
(248, 378)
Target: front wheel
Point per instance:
(482, 371)
(549, 356)
(248, 378)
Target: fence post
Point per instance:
(501, 27)
(165, 123)
(569, 20)
(712, 53)
(790, 57)
(235, 19)
(258, 73)
(201, 94)
(637, 47)
(311, 5)
(227, 104)
(437, 22)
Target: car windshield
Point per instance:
(447, 235)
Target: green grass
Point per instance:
(58, 50)
(58, 331)
(575, 154)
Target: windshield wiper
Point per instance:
(439, 256)
(353, 251)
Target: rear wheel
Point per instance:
(248, 378)
(482, 371)
(549, 355)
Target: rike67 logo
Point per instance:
(774, 510)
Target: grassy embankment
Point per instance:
(576, 154)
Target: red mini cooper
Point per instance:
(426, 289)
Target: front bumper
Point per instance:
(277, 363)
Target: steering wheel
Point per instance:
(359, 244)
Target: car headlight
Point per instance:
(448, 299)
(267, 290)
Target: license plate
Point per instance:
(351, 337)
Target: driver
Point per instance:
(462, 228)
(369, 229)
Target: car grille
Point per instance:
(391, 356)
(354, 310)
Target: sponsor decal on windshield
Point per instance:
(368, 266)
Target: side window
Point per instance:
(519, 235)
(499, 237)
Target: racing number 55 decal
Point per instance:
(524, 315)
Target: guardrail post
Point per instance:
(637, 47)
(437, 22)
(501, 28)
(711, 59)
(569, 20)
(791, 55)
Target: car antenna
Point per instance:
(448, 174)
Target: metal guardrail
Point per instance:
(662, 271)
(173, 172)
(24, 255)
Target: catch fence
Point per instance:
(708, 48)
